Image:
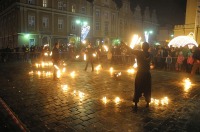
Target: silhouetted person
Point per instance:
(143, 75)
(89, 56)
(55, 59)
(196, 57)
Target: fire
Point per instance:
(64, 87)
(104, 100)
(131, 71)
(135, 65)
(111, 70)
(163, 101)
(72, 74)
(85, 57)
(81, 95)
(98, 67)
(64, 70)
(187, 84)
(117, 100)
(58, 74)
(106, 48)
(94, 55)
(135, 40)
(30, 73)
(77, 56)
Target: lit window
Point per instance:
(60, 23)
(31, 21)
(73, 8)
(45, 22)
(44, 3)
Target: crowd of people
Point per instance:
(163, 57)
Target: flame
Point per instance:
(72, 74)
(64, 70)
(111, 70)
(163, 101)
(58, 74)
(98, 67)
(85, 57)
(56, 67)
(135, 40)
(30, 73)
(81, 95)
(106, 48)
(135, 65)
(94, 54)
(131, 71)
(77, 56)
(187, 84)
(64, 87)
(117, 100)
(104, 100)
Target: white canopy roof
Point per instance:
(182, 41)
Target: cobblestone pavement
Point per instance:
(43, 104)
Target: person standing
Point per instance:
(196, 57)
(143, 75)
(55, 60)
(168, 61)
(89, 53)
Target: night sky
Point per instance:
(168, 11)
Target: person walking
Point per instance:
(143, 74)
(55, 60)
(89, 54)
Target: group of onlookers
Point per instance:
(164, 58)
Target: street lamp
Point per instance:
(147, 33)
(82, 24)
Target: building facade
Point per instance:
(40, 22)
(192, 21)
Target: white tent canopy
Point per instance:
(182, 41)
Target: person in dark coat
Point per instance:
(89, 53)
(196, 57)
(55, 59)
(143, 75)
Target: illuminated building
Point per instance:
(192, 21)
(40, 22)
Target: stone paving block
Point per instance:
(41, 102)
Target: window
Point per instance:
(73, 8)
(106, 28)
(44, 3)
(106, 15)
(113, 17)
(60, 5)
(31, 21)
(45, 22)
(60, 23)
(83, 10)
(106, 2)
(73, 27)
(97, 13)
(31, 1)
(97, 26)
